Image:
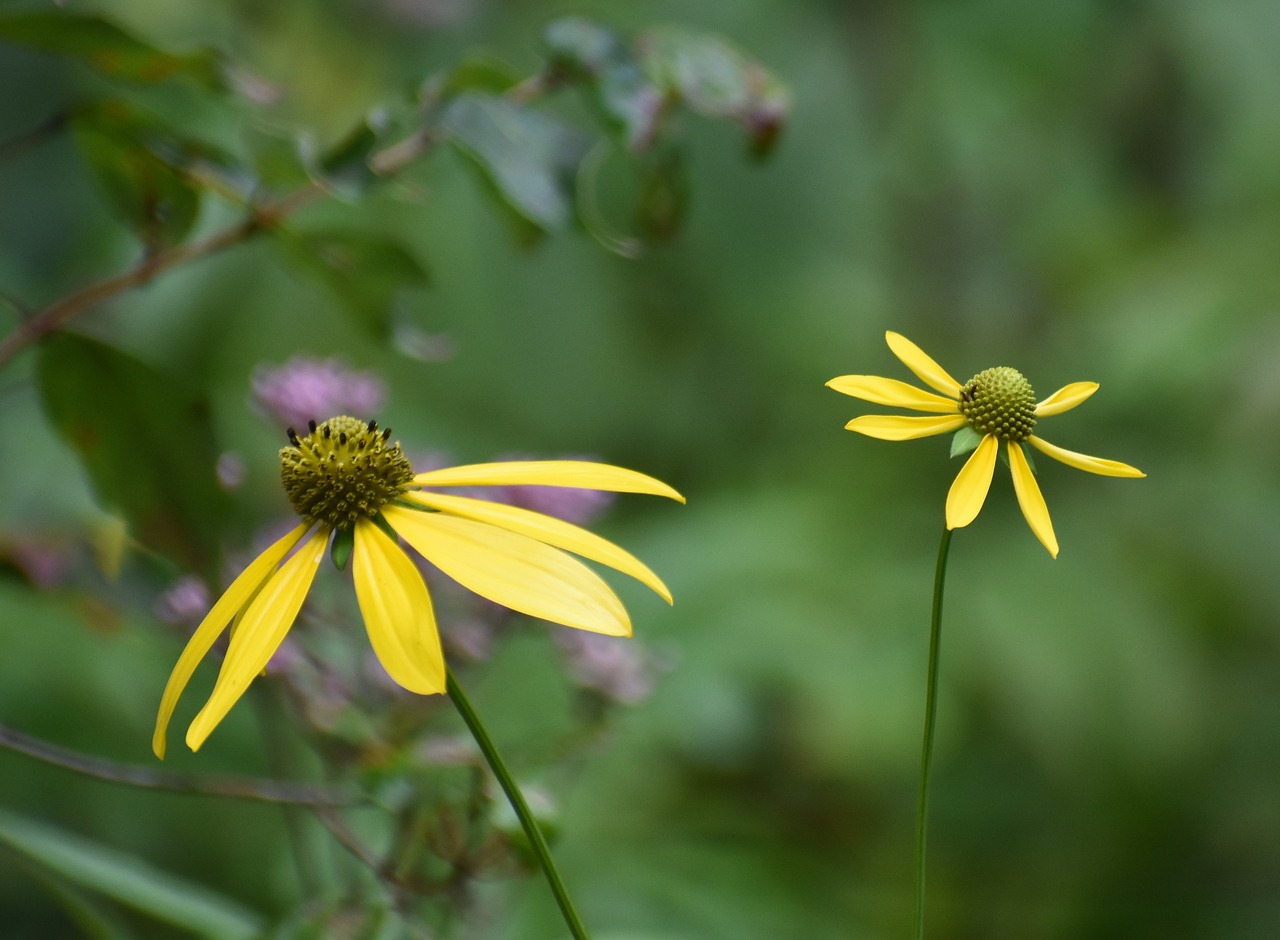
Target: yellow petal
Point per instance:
(260, 632)
(892, 392)
(513, 570)
(1065, 398)
(898, 428)
(582, 474)
(546, 529)
(397, 611)
(969, 491)
(233, 600)
(914, 358)
(1099, 465)
(1031, 499)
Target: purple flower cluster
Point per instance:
(620, 670)
(305, 388)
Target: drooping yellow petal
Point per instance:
(260, 633)
(232, 601)
(914, 358)
(892, 392)
(969, 491)
(546, 529)
(900, 428)
(1065, 398)
(397, 611)
(513, 570)
(582, 474)
(1031, 499)
(1099, 465)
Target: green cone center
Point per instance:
(999, 401)
(342, 470)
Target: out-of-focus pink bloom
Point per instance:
(45, 564)
(185, 602)
(231, 470)
(619, 669)
(305, 389)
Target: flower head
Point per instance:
(996, 407)
(356, 491)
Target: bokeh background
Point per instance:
(1081, 190)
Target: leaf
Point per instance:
(276, 156)
(481, 73)
(344, 169)
(965, 440)
(145, 440)
(93, 917)
(143, 168)
(582, 48)
(104, 46)
(713, 78)
(366, 271)
(128, 880)
(529, 158)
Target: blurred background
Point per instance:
(1081, 190)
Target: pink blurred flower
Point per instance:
(306, 388)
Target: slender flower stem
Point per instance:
(512, 789)
(930, 717)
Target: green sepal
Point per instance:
(1026, 452)
(385, 526)
(344, 543)
(1031, 461)
(965, 440)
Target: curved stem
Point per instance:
(930, 717)
(525, 815)
(240, 788)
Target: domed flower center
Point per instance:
(342, 470)
(999, 401)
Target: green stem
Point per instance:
(512, 790)
(930, 717)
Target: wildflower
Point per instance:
(185, 601)
(304, 387)
(995, 406)
(355, 489)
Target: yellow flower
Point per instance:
(345, 478)
(996, 405)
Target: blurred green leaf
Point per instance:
(344, 169)
(145, 170)
(626, 99)
(129, 880)
(480, 73)
(92, 917)
(276, 155)
(106, 47)
(713, 78)
(367, 271)
(581, 47)
(529, 158)
(145, 439)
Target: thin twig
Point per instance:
(385, 163)
(236, 788)
(150, 267)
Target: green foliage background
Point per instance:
(1080, 190)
